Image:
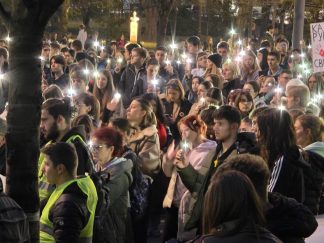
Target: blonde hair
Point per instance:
(233, 67)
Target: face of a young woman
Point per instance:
(249, 88)
(195, 84)
(202, 91)
(227, 73)
(173, 95)
(187, 134)
(248, 61)
(102, 81)
(302, 136)
(135, 114)
(245, 105)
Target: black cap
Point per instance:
(216, 59)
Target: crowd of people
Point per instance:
(228, 142)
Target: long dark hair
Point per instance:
(159, 106)
(231, 197)
(277, 133)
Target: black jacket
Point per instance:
(62, 82)
(131, 84)
(231, 85)
(248, 233)
(173, 122)
(84, 157)
(288, 219)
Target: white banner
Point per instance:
(317, 36)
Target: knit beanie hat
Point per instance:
(216, 59)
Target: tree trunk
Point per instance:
(26, 23)
(162, 29)
(298, 29)
(151, 24)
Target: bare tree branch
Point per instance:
(5, 15)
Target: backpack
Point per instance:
(14, 225)
(100, 227)
(313, 176)
(139, 190)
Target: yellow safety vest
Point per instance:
(44, 188)
(88, 188)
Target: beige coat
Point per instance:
(146, 145)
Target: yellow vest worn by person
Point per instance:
(46, 226)
(45, 189)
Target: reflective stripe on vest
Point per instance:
(45, 189)
(88, 188)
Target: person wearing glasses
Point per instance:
(107, 147)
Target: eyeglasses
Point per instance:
(96, 147)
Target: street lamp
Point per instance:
(133, 28)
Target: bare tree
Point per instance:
(26, 21)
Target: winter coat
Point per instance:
(69, 214)
(299, 174)
(288, 219)
(248, 233)
(120, 171)
(173, 124)
(197, 183)
(62, 82)
(145, 143)
(132, 84)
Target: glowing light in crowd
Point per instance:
(232, 32)
(278, 90)
(202, 100)
(8, 38)
(86, 71)
(292, 56)
(309, 46)
(185, 146)
(108, 61)
(96, 74)
(238, 58)
(299, 76)
(173, 46)
(2, 76)
(281, 107)
(96, 43)
(102, 48)
(120, 60)
(302, 54)
(184, 56)
(178, 62)
(248, 47)
(71, 92)
(155, 82)
(41, 58)
(90, 144)
(188, 60)
(168, 62)
(117, 96)
(242, 53)
(239, 42)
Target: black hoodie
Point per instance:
(288, 219)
